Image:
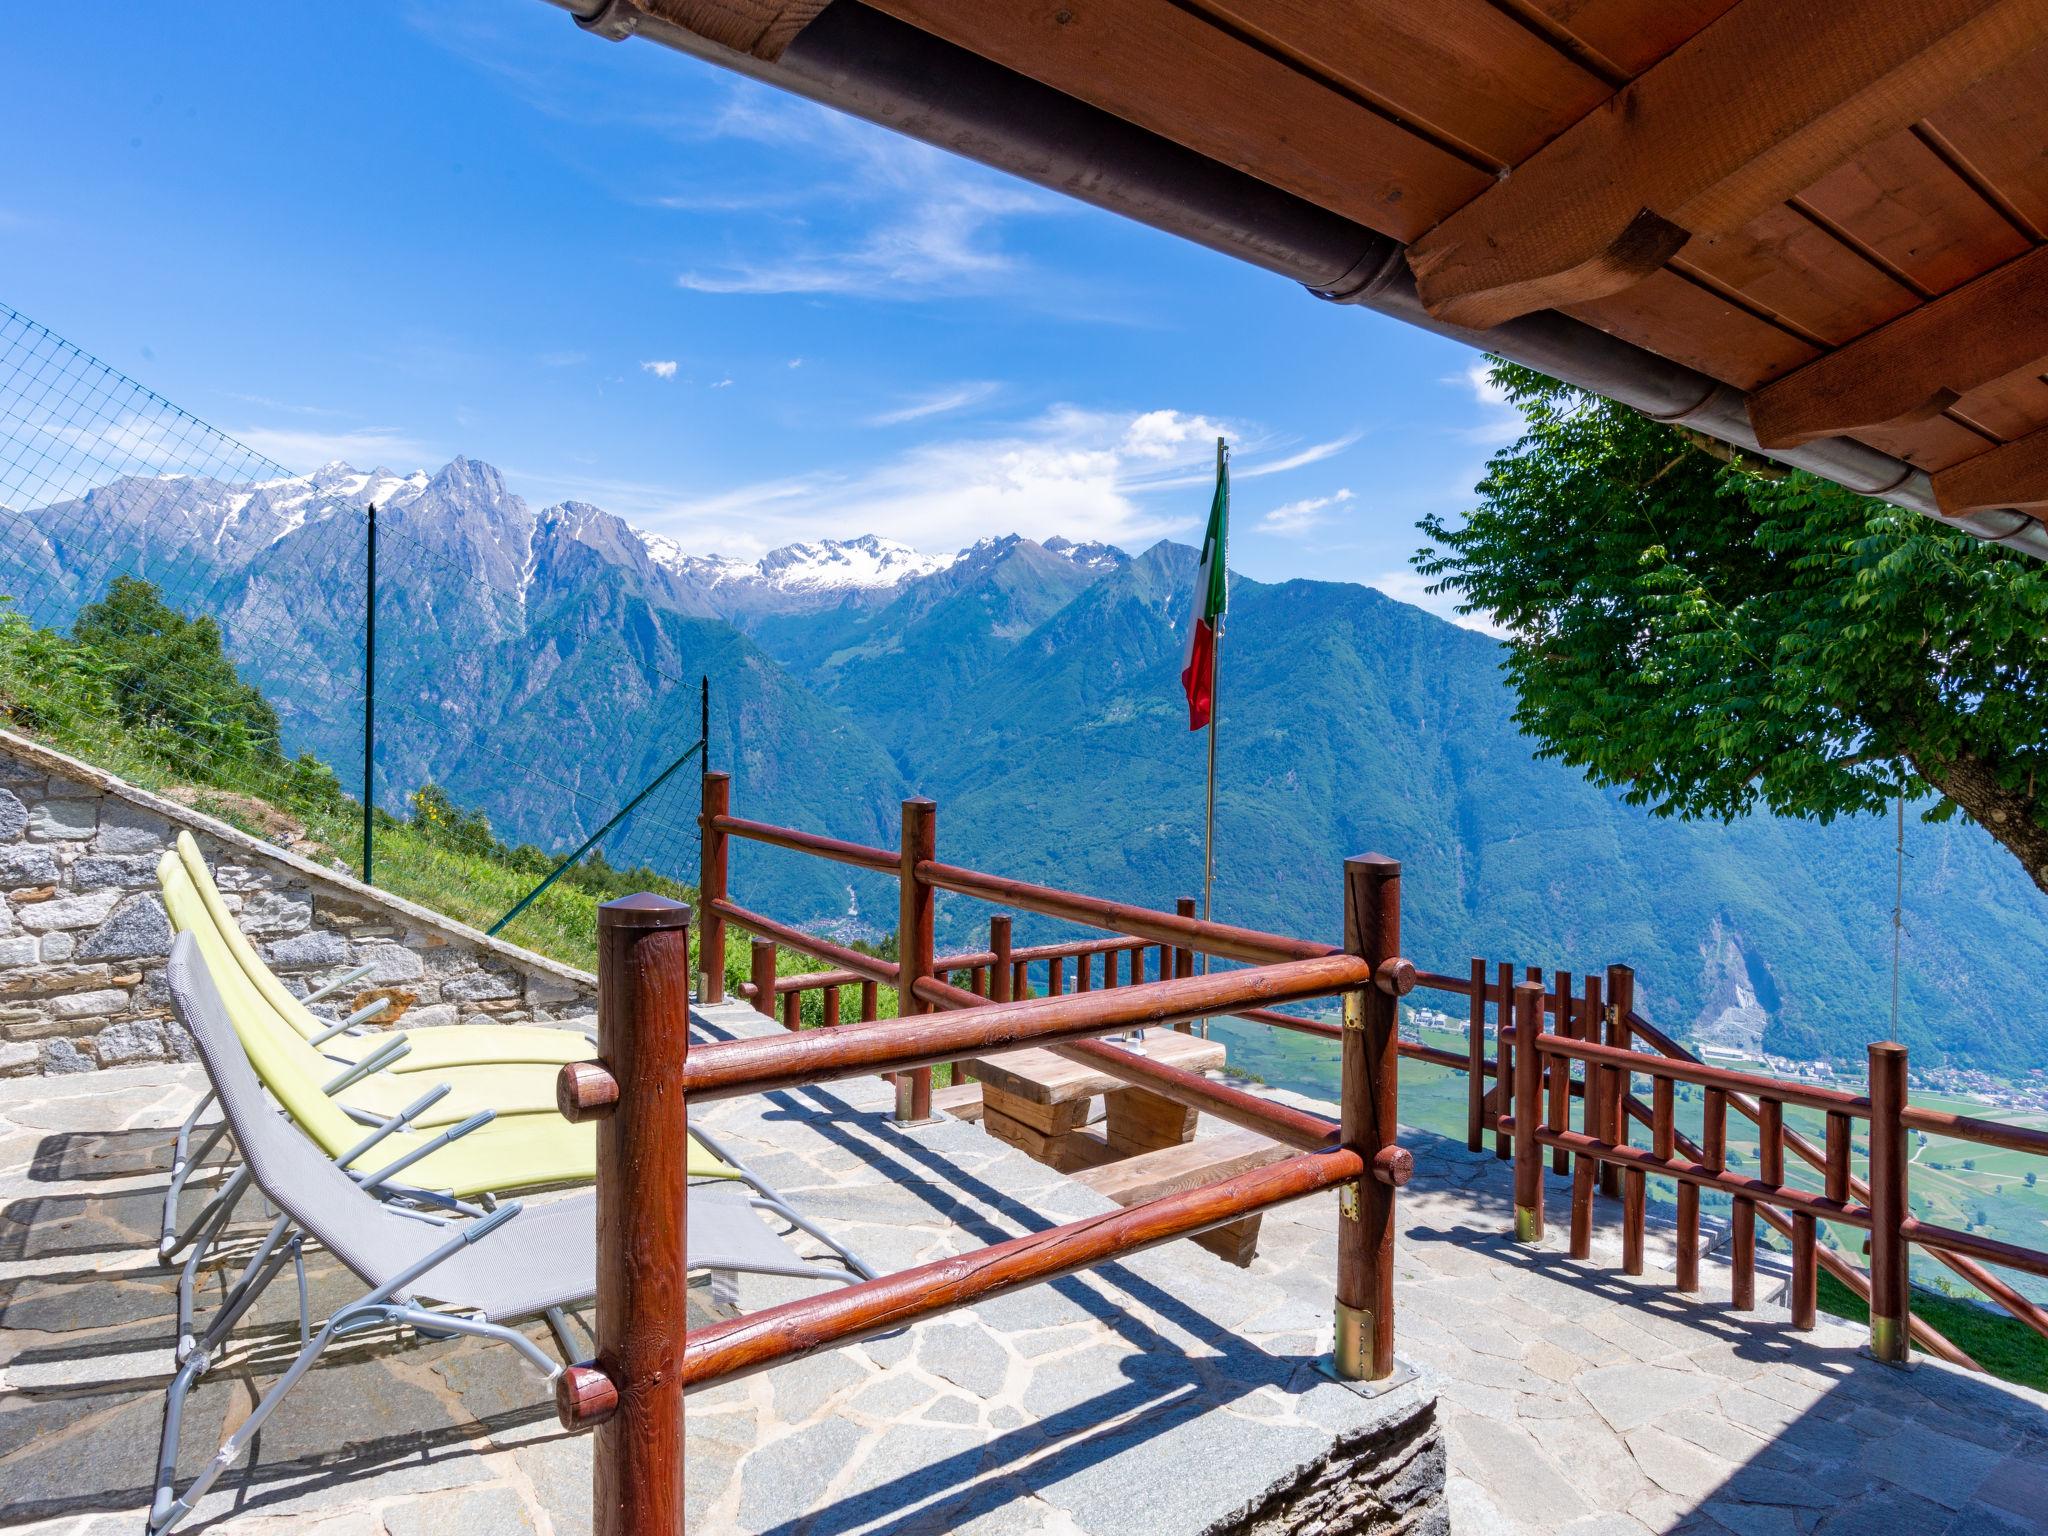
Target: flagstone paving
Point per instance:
(1150, 1399)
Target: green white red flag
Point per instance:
(1205, 618)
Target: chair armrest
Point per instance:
(477, 1121)
(473, 1232)
(346, 978)
(368, 1011)
(398, 1121)
(376, 1061)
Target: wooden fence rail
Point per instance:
(648, 1076)
(1590, 1048)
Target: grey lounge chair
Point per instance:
(438, 1277)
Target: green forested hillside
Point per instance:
(1352, 722)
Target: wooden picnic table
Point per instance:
(1043, 1102)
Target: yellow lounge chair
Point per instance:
(433, 1049)
(517, 1152)
(516, 1088)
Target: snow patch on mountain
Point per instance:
(867, 563)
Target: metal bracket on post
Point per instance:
(1349, 1362)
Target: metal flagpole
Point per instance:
(1215, 681)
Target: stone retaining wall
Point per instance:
(84, 939)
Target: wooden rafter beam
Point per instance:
(1758, 106)
(1918, 365)
(2015, 475)
(762, 28)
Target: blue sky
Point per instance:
(393, 233)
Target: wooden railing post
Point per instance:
(1586, 1171)
(1371, 1108)
(1001, 979)
(914, 915)
(1614, 1031)
(711, 888)
(1890, 1293)
(1635, 1194)
(1475, 1060)
(870, 1001)
(764, 976)
(1503, 1058)
(1529, 1109)
(1560, 1074)
(633, 1391)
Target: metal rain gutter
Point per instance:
(872, 66)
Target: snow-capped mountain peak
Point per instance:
(865, 564)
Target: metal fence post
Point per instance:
(370, 701)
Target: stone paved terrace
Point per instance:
(1570, 1399)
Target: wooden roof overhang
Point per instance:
(1814, 228)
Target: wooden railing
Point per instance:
(1553, 1047)
(1598, 1009)
(648, 1076)
(1614, 1046)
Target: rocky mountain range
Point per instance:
(542, 663)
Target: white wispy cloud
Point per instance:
(304, 449)
(289, 407)
(1499, 422)
(1408, 587)
(939, 402)
(721, 384)
(899, 219)
(664, 368)
(1088, 474)
(1291, 519)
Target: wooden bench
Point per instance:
(1188, 1165)
(1041, 1102)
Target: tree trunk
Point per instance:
(2011, 816)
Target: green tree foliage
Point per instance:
(168, 672)
(1715, 635)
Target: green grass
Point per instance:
(2002, 1345)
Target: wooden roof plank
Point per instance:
(1761, 104)
(1630, 35)
(1459, 68)
(1698, 328)
(2009, 407)
(1786, 263)
(1999, 134)
(2015, 475)
(1927, 442)
(1166, 69)
(762, 28)
(1902, 202)
(1918, 365)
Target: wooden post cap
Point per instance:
(585, 1091)
(643, 910)
(585, 1397)
(1395, 976)
(1393, 1166)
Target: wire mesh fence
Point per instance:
(186, 611)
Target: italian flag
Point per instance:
(1205, 618)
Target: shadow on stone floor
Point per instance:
(83, 1156)
(65, 1226)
